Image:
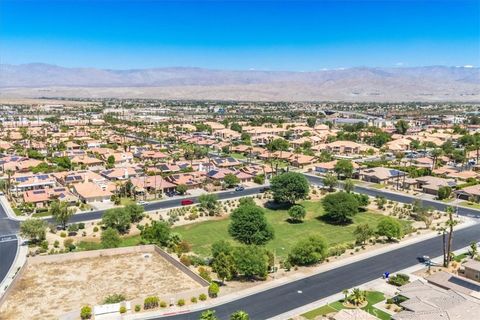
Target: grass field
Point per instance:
(470, 204)
(202, 235)
(373, 297)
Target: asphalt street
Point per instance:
(272, 302)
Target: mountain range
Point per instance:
(433, 83)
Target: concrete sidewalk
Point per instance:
(20, 259)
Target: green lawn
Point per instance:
(373, 297)
(126, 242)
(41, 214)
(378, 185)
(238, 156)
(201, 235)
(470, 204)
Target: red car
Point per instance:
(186, 202)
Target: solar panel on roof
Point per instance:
(69, 178)
(42, 177)
(38, 191)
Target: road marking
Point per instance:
(8, 238)
(299, 291)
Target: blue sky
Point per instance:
(263, 35)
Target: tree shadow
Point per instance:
(326, 219)
(272, 205)
(294, 221)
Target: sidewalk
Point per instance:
(291, 278)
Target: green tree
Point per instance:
(111, 161)
(278, 144)
(239, 315)
(390, 228)
(60, 212)
(224, 266)
(117, 218)
(33, 229)
(311, 121)
(236, 127)
(158, 233)
(135, 211)
(289, 187)
(221, 246)
(402, 126)
(209, 203)
(444, 192)
(362, 233)
(230, 180)
(248, 225)
(213, 290)
(473, 251)
(308, 251)
(297, 213)
(330, 181)
(348, 185)
(181, 189)
(251, 261)
(340, 207)
(110, 238)
(344, 168)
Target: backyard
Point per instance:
(202, 235)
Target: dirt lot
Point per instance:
(48, 290)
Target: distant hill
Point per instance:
(435, 83)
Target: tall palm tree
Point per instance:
(450, 224)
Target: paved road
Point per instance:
(270, 303)
(8, 243)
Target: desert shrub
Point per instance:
(399, 279)
(86, 312)
(213, 290)
(185, 260)
(138, 308)
(95, 229)
(114, 298)
(205, 274)
(150, 302)
(163, 304)
(202, 297)
(181, 302)
(193, 300)
(123, 309)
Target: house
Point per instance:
(119, 173)
(326, 167)
(469, 193)
(21, 183)
(427, 301)
(152, 184)
(88, 162)
(41, 198)
(219, 174)
(430, 185)
(381, 175)
(472, 270)
(300, 160)
(346, 147)
(89, 192)
(191, 179)
(225, 162)
(353, 314)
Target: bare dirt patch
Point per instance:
(48, 290)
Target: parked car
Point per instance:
(186, 202)
(264, 189)
(239, 188)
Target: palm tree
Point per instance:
(345, 293)
(450, 223)
(436, 153)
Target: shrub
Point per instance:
(68, 244)
(202, 297)
(81, 226)
(337, 250)
(56, 244)
(114, 298)
(63, 234)
(181, 302)
(185, 260)
(193, 299)
(205, 274)
(123, 309)
(399, 279)
(150, 302)
(138, 308)
(163, 304)
(213, 290)
(86, 312)
(95, 229)
(308, 251)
